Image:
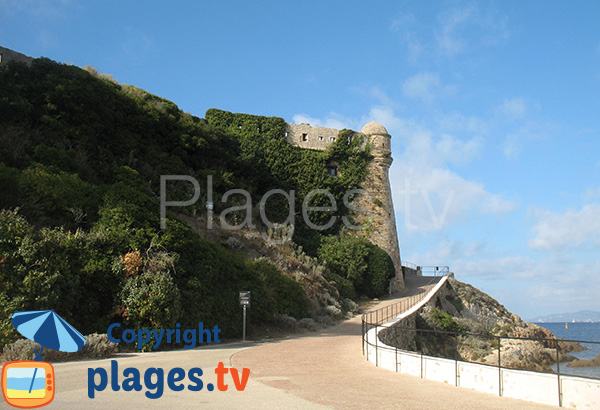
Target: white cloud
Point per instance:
(515, 108)
(591, 193)
(427, 195)
(333, 121)
(406, 21)
(448, 39)
(458, 30)
(456, 25)
(426, 87)
(447, 250)
(499, 268)
(516, 141)
(428, 199)
(381, 96)
(569, 287)
(532, 287)
(459, 123)
(405, 24)
(419, 143)
(569, 230)
(40, 9)
(136, 43)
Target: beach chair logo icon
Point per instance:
(29, 384)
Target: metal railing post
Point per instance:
(499, 367)
(458, 340)
(422, 344)
(363, 334)
(366, 326)
(376, 346)
(558, 375)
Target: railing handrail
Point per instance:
(384, 315)
(407, 302)
(375, 319)
(450, 332)
(435, 269)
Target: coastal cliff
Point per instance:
(483, 327)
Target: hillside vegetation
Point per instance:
(80, 164)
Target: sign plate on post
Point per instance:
(245, 298)
(245, 303)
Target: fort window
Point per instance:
(320, 138)
(304, 137)
(286, 133)
(332, 139)
(332, 170)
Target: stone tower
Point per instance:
(378, 217)
(378, 203)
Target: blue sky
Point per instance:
(492, 107)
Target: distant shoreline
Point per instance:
(565, 321)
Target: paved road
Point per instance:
(329, 369)
(72, 385)
(317, 371)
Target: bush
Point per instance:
(380, 269)
(446, 322)
(286, 294)
(151, 299)
(97, 346)
(344, 286)
(354, 259)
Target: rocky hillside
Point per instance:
(482, 325)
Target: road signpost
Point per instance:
(244, 303)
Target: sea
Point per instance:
(578, 331)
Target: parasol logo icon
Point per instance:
(29, 384)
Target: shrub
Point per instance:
(380, 269)
(446, 322)
(344, 286)
(97, 346)
(366, 266)
(287, 294)
(151, 299)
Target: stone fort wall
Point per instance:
(305, 136)
(378, 218)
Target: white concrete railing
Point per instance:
(569, 391)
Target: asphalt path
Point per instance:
(72, 384)
(328, 368)
(318, 370)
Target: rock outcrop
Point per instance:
(595, 362)
(486, 332)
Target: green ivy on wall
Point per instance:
(276, 164)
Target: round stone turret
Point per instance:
(374, 128)
(381, 141)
